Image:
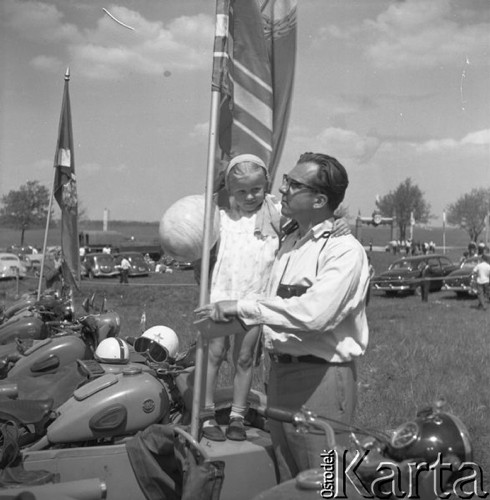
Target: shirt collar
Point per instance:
(321, 230)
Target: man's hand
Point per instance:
(220, 312)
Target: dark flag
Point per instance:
(65, 191)
(253, 69)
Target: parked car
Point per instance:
(139, 267)
(28, 254)
(182, 265)
(461, 280)
(11, 266)
(404, 275)
(99, 265)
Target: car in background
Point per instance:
(11, 266)
(100, 265)
(461, 280)
(139, 266)
(182, 265)
(405, 275)
(29, 255)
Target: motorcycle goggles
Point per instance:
(150, 348)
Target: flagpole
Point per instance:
(48, 218)
(444, 232)
(202, 345)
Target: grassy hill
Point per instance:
(142, 231)
(147, 232)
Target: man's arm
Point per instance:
(338, 289)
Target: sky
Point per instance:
(392, 89)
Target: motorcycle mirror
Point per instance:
(92, 300)
(86, 305)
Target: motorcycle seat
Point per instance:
(30, 411)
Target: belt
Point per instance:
(287, 359)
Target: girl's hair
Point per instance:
(244, 169)
(243, 165)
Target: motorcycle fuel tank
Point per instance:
(109, 406)
(23, 327)
(48, 355)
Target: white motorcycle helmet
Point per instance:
(159, 343)
(112, 350)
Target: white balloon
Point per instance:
(182, 228)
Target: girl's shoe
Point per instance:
(236, 430)
(213, 431)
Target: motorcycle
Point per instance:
(68, 341)
(27, 318)
(126, 428)
(143, 467)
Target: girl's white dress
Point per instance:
(244, 258)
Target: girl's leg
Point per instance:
(243, 356)
(216, 355)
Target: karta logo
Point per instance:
(344, 473)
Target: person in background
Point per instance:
(124, 266)
(481, 273)
(314, 316)
(52, 272)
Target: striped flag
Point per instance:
(253, 69)
(65, 190)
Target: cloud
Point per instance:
(417, 34)
(90, 168)
(151, 49)
(47, 63)
(96, 168)
(32, 19)
(200, 131)
(110, 51)
(423, 33)
(471, 140)
(346, 145)
(482, 137)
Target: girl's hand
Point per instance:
(340, 228)
(220, 312)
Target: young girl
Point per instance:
(249, 239)
(248, 242)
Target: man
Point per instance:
(125, 266)
(53, 271)
(481, 272)
(314, 321)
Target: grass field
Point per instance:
(418, 352)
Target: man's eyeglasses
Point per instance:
(154, 350)
(289, 183)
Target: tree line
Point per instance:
(469, 212)
(28, 207)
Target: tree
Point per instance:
(26, 207)
(405, 200)
(469, 212)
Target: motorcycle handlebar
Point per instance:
(302, 418)
(279, 414)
